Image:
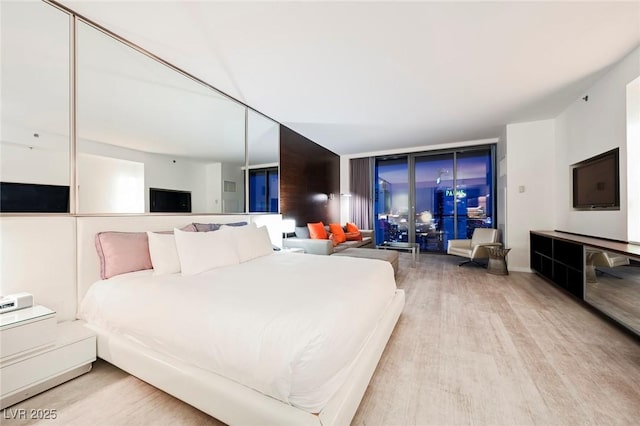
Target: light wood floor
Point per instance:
(470, 348)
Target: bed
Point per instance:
(280, 339)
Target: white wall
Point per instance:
(160, 171)
(233, 202)
(214, 188)
(633, 160)
(38, 255)
(590, 128)
(22, 164)
(530, 193)
(110, 185)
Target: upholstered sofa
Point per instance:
(313, 246)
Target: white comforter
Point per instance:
(287, 325)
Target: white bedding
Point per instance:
(287, 325)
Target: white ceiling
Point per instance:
(368, 76)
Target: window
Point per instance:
(429, 198)
(263, 190)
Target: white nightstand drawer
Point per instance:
(28, 373)
(26, 329)
(47, 364)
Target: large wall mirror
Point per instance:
(263, 161)
(148, 138)
(34, 127)
(151, 139)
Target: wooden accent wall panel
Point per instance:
(309, 178)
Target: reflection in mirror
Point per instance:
(613, 285)
(263, 142)
(143, 125)
(34, 143)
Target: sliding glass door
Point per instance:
(474, 183)
(391, 203)
(430, 198)
(434, 180)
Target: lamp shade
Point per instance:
(288, 226)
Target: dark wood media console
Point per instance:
(560, 261)
(568, 261)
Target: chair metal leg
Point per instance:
(480, 264)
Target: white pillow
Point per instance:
(202, 251)
(164, 253)
(250, 241)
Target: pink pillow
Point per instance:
(122, 252)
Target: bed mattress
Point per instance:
(287, 325)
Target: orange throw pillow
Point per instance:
(317, 231)
(337, 232)
(353, 236)
(333, 239)
(351, 227)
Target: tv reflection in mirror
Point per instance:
(33, 198)
(596, 182)
(169, 201)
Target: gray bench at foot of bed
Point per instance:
(390, 256)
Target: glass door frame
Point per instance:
(411, 162)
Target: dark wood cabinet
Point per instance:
(564, 258)
(560, 261)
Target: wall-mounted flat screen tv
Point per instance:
(596, 182)
(169, 201)
(18, 197)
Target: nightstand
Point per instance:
(38, 354)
